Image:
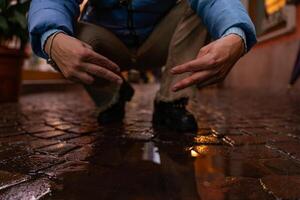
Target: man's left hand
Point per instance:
(212, 64)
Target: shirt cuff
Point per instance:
(45, 37)
(237, 31)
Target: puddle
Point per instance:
(136, 162)
(127, 169)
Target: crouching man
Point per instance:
(116, 35)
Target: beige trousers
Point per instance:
(176, 39)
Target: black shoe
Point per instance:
(174, 115)
(116, 112)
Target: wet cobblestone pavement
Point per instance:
(247, 147)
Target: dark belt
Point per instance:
(124, 2)
(98, 5)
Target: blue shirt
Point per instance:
(220, 17)
(145, 15)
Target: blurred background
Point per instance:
(273, 64)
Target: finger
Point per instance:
(186, 67)
(102, 72)
(104, 62)
(191, 80)
(210, 81)
(87, 45)
(82, 77)
(221, 75)
(203, 51)
(202, 63)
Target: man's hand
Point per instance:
(78, 62)
(212, 64)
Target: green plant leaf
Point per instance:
(19, 19)
(20, 7)
(3, 25)
(3, 5)
(13, 20)
(23, 7)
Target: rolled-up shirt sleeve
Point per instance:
(45, 37)
(47, 15)
(239, 32)
(220, 16)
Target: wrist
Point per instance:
(44, 38)
(49, 43)
(49, 49)
(240, 33)
(238, 42)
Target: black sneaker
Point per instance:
(174, 116)
(116, 112)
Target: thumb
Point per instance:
(87, 45)
(202, 51)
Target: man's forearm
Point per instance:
(220, 16)
(48, 15)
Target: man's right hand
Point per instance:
(78, 62)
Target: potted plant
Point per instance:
(13, 40)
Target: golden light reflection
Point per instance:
(198, 151)
(201, 150)
(206, 140)
(194, 153)
(273, 6)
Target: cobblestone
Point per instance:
(57, 149)
(9, 179)
(37, 129)
(49, 134)
(83, 129)
(247, 147)
(39, 143)
(282, 166)
(64, 127)
(88, 139)
(282, 187)
(291, 148)
(26, 191)
(234, 188)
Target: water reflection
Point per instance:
(128, 169)
(122, 169)
(151, 153)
